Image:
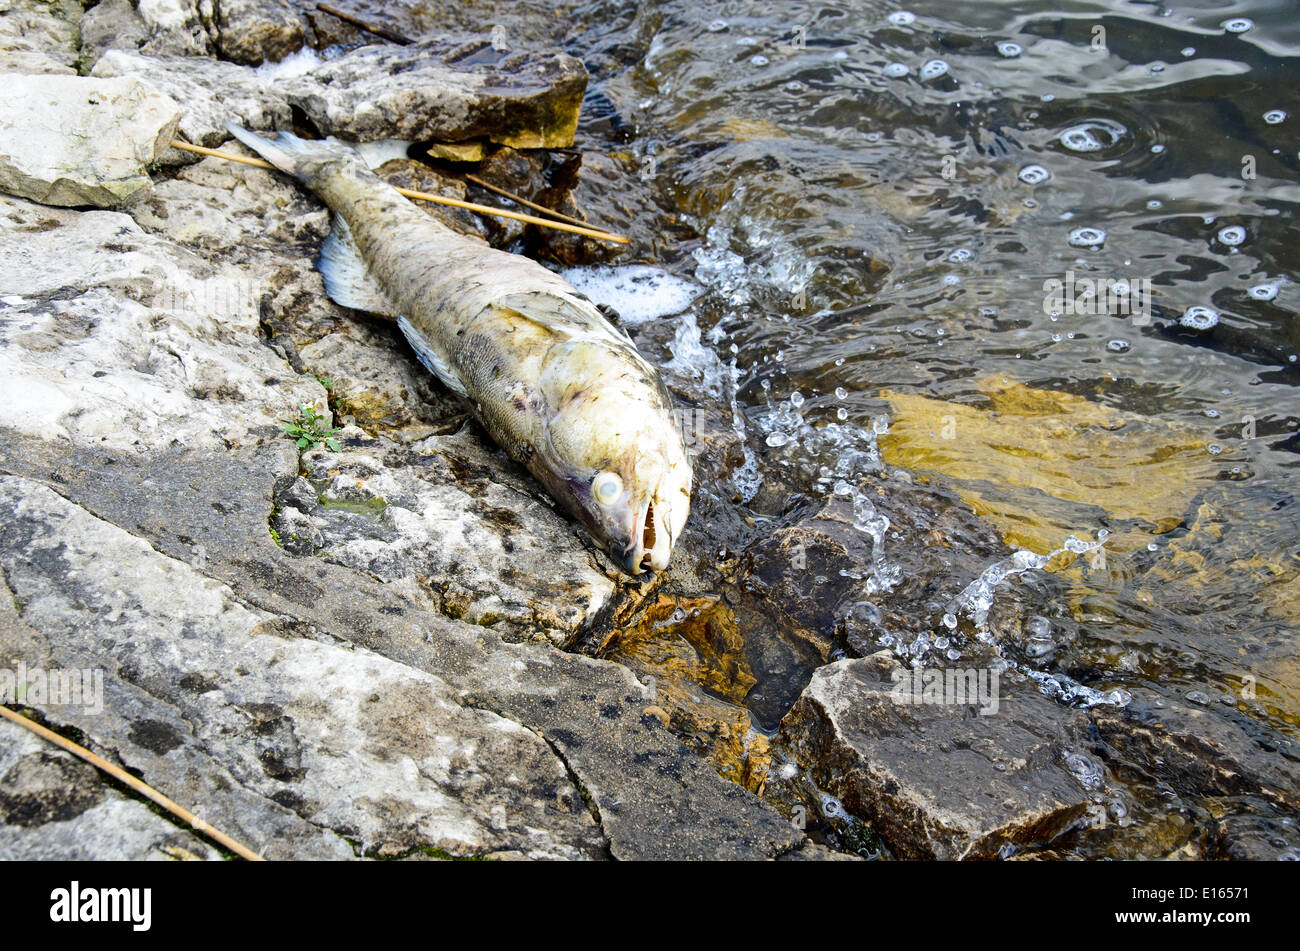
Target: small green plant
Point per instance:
(308, 429)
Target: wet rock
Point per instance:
(214, 93)
(38, 36)
(262, 731)
(54, 807)
(1017, 776)
(256, 31)
(428, 92)
(69, 140)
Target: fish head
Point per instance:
(615, 453)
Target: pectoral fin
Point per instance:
(347, 280)
(428, 354)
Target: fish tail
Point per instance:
(289, 153)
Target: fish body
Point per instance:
(562, 390)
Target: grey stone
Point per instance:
(39, 36)
(214, 92)
(72, 140)
(425, 92)
(942, 781)
(256, 31)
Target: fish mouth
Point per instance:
(652, 546)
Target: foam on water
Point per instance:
(295, 64)
(638, 292)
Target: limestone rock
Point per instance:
(256, 31)
(1018, 776)
(72, 140)
(426, 92)
(214, 92)
(39, 36)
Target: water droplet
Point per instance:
(1034, 174)
(717, 26)
(1010, 50)
(1087, 238)
(1274, 116)
(902, 18)
(1238, 25)
(896, 70)
(934, 69)
(1232, 236)
(1119, 346)
(1263, 291)
(1199, 318)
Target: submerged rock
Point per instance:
(70, 140)
(943, 780)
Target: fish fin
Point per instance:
(566, 315)
(288, 152)
(433, 361)
(347, 279)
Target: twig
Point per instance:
(123, 776)
(436, 199)
(528, 204)
(363, 25)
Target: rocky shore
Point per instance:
(401, 648)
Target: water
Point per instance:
(863, 205)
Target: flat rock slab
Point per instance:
(37, 37)
(943, 781)
(54, 807)
(74, 140)
(267, 733)
(445, 91)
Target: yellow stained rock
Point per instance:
(1042, 464)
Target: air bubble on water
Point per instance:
(1274, 116)
(1087, 238)
(1034, 174)
(902, 18)
(841, 393)
(1157, 148)
(1157, 67)
(1188, 51)
(796, 399)
(1212, 413)
(841, 414)
(1238, 24)
(777, 440)
(934, 69)
(717, 26)
(1118, 345)
(1119, 697)
(1263, 291)
(1199, 698)
(1093, 135)
(1009, 50)
(795, 86)
(1199, 318)
(960, 255)
(950, 279)
(896, 70)
(1232, 235)
(759, 60)
(1155, 203)
(950, 621)
(1214, 449)
(1085, 770)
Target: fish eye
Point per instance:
(607, 487)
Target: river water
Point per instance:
(1042, 255)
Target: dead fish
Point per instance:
(562, 390)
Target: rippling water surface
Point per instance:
(1042, 255)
